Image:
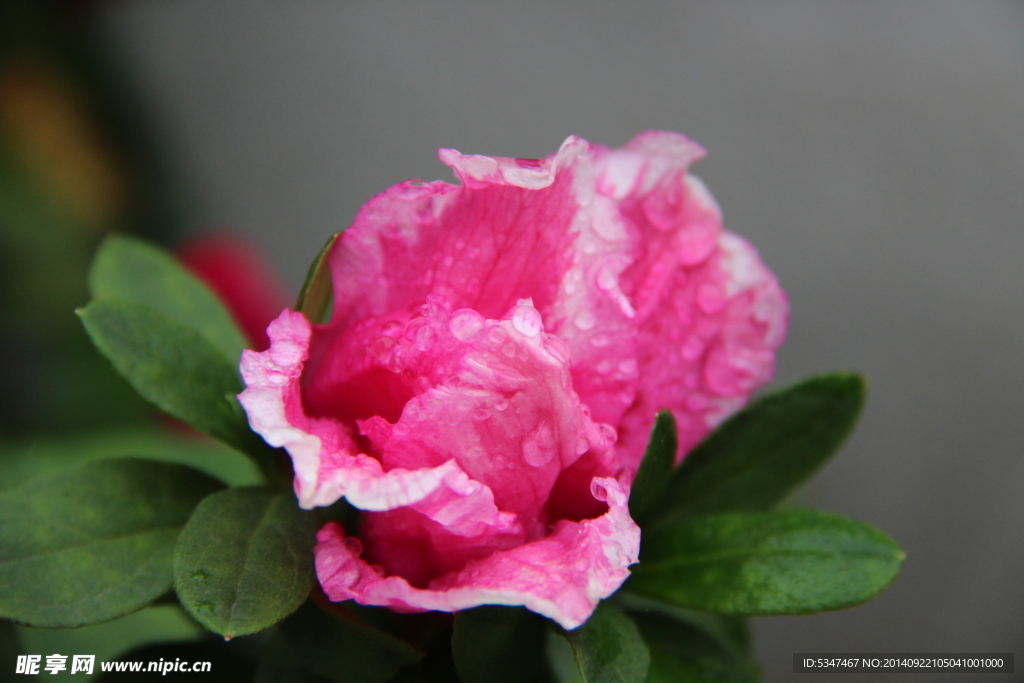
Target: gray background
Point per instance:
(873, 152)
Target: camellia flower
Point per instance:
(495, 358)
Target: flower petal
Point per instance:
(710, 315)
(562, 576)
(505, 234)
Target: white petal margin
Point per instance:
(327, 468)
(563, 576)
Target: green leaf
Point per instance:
(655, 473)
(780, 562)
(495, 644)
(316, 292)
(244, 561)
(681, 651)
(172, 367)
(32, 456)
(608, 648)
(95, 541)
(112, 639)
(129, 269)
(758, 456)
(341, 648)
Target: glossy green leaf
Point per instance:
(681, 651)
(780, 562)
(655, 473)
(173, 367)
(609, 648)
(341, 648)
(758, 456)
(95, 541)
(496, 644)
(315, 295)
(129, 269)
(244, 561)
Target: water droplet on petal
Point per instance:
(628, 366)
(600, 340)
(582, 446)
(354, 546)
(526, 319)
(465, 323)
(539, 447)
(608, 433)
(501, 404)
(585, 319)
(481, 412)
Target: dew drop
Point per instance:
(501, 404)
(606, 280)
(601, 340)
(391, 328)
(539, 447)
(526, 319)
(608, 433)
(481, 412)
(628, 366)
(604, 367)
(582, 446)
(354, 546)
(381, 347)
(585, 319)
(465, 323)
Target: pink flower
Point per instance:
(496, 355)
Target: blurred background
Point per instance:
(874, 153)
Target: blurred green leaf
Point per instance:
(609, 648)
(172, 367)
(655, 473)
(341, 648)
(244, 561)
(681, 651)
(112, 639)
(759, 455)
(95, 541)
(496, 644)
(129, 269)
(780, 562)
(315, 296)
(731, 631)
(25, 458)
(10, 648)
